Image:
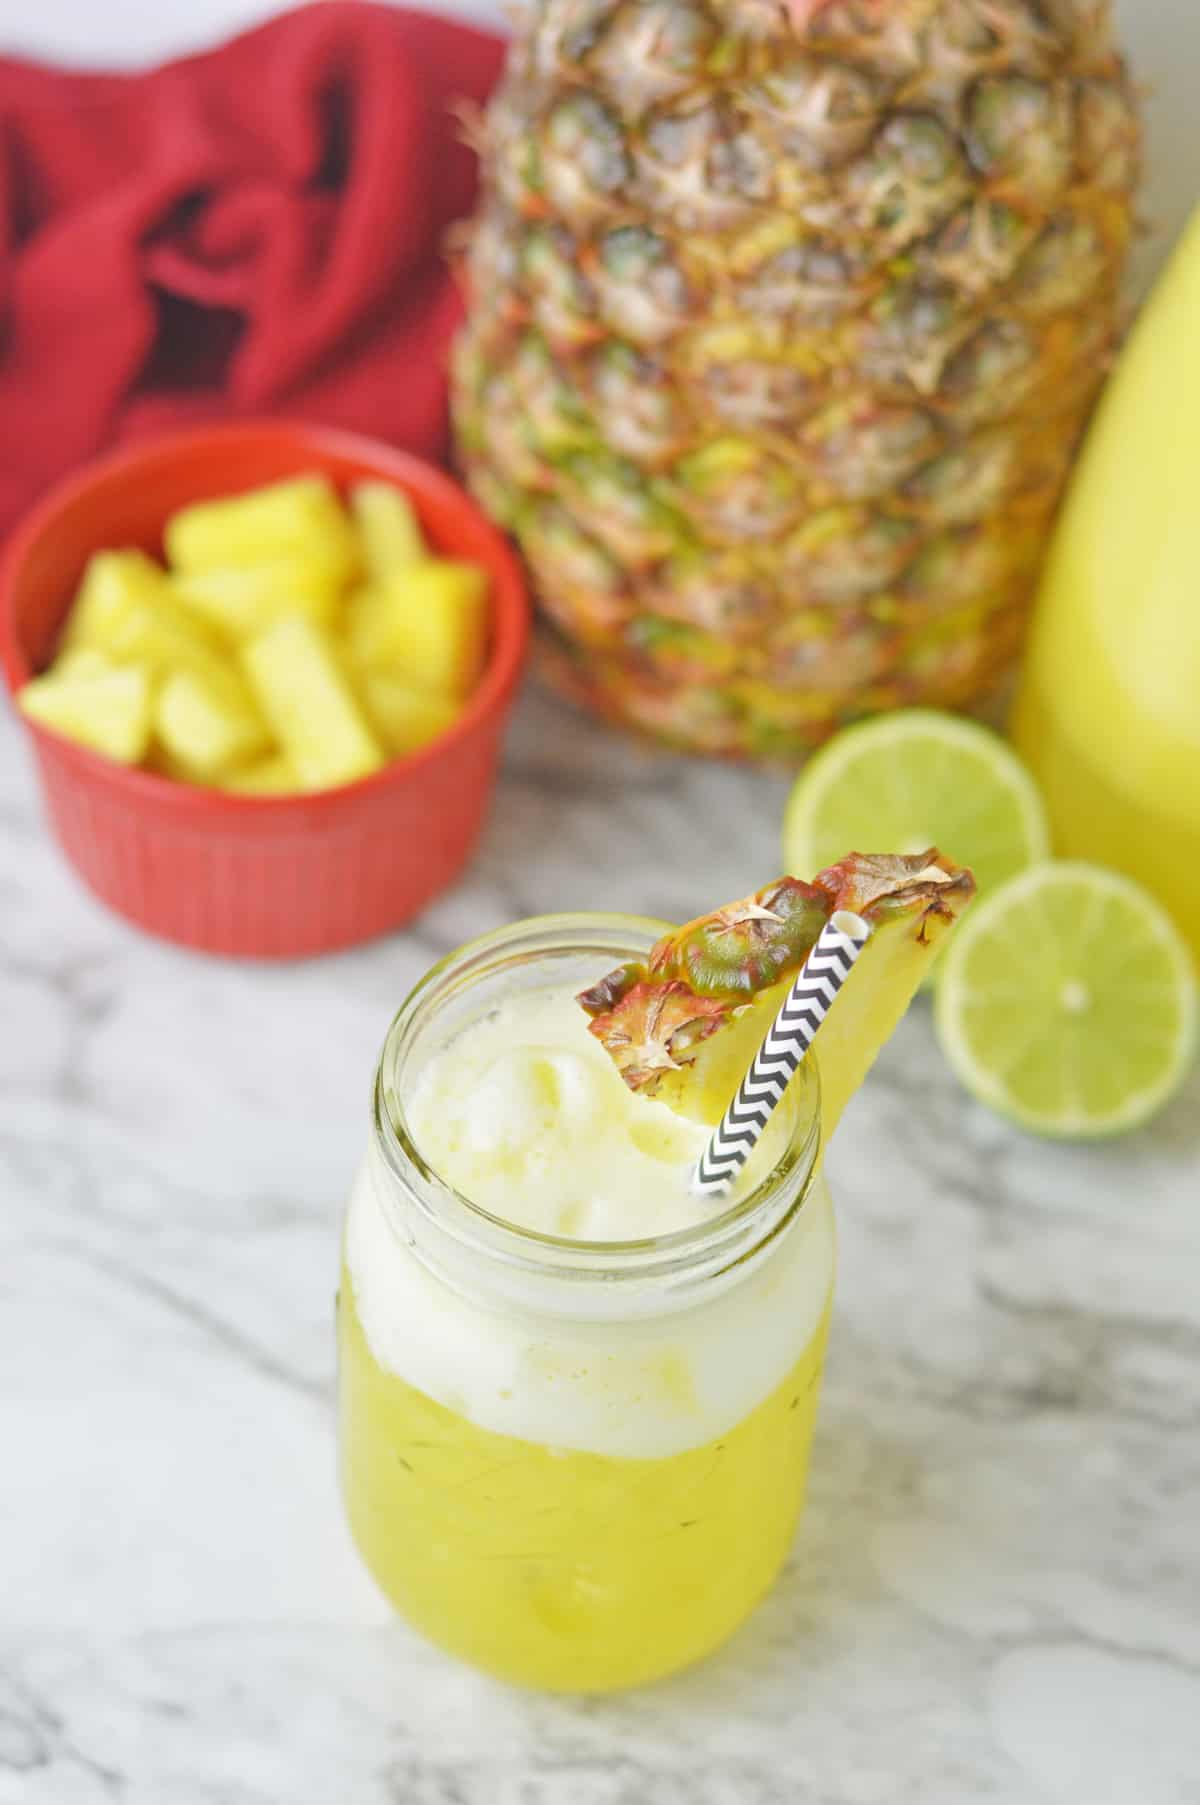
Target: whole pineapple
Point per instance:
(785, 319)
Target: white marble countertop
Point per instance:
(996, 1594)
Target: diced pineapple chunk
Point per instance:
(81, 661)
(112, 584)
(207, 722)
(107, 709)
(299, 518)
(159, 760)
(245, 599)
(163, 640)
(272, 776)
(127, 610)
(307, 698)
(428, 623)
(388, 529)
(406, 718)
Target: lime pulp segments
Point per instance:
(1067, 1001)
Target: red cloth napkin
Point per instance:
(255, 230)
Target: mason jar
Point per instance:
(576, 1464)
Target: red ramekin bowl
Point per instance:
(266, 877)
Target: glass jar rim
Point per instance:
(682, 1258)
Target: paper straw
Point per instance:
(791, 1034)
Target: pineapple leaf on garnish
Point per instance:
(684, 1025)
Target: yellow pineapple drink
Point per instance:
(576, 1402)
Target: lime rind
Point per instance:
(1067, 1002)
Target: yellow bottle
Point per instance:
(572, 1457)
(1108, 710)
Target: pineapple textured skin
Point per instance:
(784, 324)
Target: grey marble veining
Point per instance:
(995, 1599)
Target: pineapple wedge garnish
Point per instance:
(684, 1026)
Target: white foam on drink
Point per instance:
(525, 1114)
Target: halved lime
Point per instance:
(1067, 1001)
(916, 778)
(911, 779)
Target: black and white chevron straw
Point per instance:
(808, 1002)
